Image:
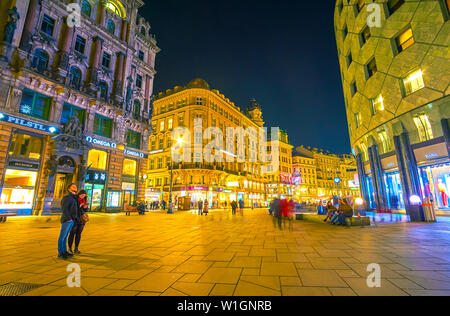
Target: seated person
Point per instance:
(331, 211)
(345, 211)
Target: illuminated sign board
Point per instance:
(96, 177)
(134, 153)
(100, 142)
(337, 180)
(431, 156)
(30, 124)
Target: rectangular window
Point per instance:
(141, 55)
(181, 120)
(170, 124)
(25, 146)
(97, 159)
(102, 126)
(377, 104)
(139, 81)
(153, 145)
(423, 126)
(394, 5)
(106, 61)
(35, 105)
(134, 139)
(18, 190)
(80, 44)
(404, 40)
(152, 164)
(161, 126)
(414, 82)
(365, 35)
(372, 68)
(199, 101)
(160, 165)
(48, 25)
(129, 167)
(69, 111)
(161, 143)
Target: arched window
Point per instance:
(116, 7)
(40, 60)
(137, 109)
(86, 8)
(103, 90)
(75, 77)
(111, 27)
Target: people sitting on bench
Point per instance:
(344, 211)
(331, 211)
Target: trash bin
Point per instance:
(428, 209)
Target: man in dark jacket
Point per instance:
(69, 208)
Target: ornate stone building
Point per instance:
(197, 179)
(75, 102)
(396, 79)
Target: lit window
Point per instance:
(385, 141)
(170, 124)
(97, 159)
(116, 7)
(414, 82)
(405, 40)
(161, 126)
(129, 167)
(423, 126)
(377, 104)
(18, 190)
(357, 120)
(25, 146)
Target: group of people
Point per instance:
(73, 219)
(282, 211)
(203, 207)
(234, 207)
(337, 210)
(156, 205)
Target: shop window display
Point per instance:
(435, 180)
(18, 191)
(26, 146)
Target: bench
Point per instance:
(4, 216)
(130, 209)
(351, 221)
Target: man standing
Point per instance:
(69, 208)
(241, 207)
(200, 207)
(233, 207)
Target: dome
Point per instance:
(198, 83)
(253, 105)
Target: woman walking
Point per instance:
(206, 207)
(79, 224)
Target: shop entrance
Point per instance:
(129, 196)
(62, 181)
(95, 196)
(394, 191)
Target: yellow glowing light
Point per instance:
(116, 7)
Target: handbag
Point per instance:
(85, 218)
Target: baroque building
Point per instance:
(75, 102)
(196, 178)
(395, 76)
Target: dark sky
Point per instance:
(283, 53)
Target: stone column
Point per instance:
(25, 42)
(101, 16)
(62, 56)
(118, 80)
(375, 178)
(362, 179)
(94, 60)
(409, 176)
(89, 128)
(124, 31)
(446, 132)
(379, 174)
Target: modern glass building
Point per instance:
(395, 65)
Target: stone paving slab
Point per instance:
(221, 255)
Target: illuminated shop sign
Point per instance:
(20, 164)
(431, 156)
(155, 152)
(198, 188)
(30, 124)
(96, 177)
(100, 142)
(134, 153)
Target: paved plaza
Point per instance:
(222, 255)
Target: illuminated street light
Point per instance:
(415, 200)
(359, 201)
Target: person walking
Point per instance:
(233, 207)
(275, 207)
(241, 207)
(200, 207)
(69, 208)
(206, 208)
(79, 223)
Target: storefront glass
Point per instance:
(371, 193)
(97, 159)
(128, 193)
(394, 191)
(25, 146)
(129, 167)
(18, 191)
(436, 180)
(113, 199)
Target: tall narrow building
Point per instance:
(75, 95)
(395, 66)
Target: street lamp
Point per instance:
(170, 211)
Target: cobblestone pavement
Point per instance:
(222, 255)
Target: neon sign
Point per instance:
(100, 142)
(30, 124)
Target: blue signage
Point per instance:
(96, 177)
(337, 180)
(134, 153)
(100, 142)
(30, 124)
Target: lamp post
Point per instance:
(170, 210)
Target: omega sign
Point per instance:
(133, 153)
(100, 142)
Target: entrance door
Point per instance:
(128, 197)
(63, 180)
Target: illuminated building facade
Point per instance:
(332, 174)
(74, 103)
(218, 182)
(281, 183)
(304, 177)
(395, 77)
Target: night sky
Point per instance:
(283, 53)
